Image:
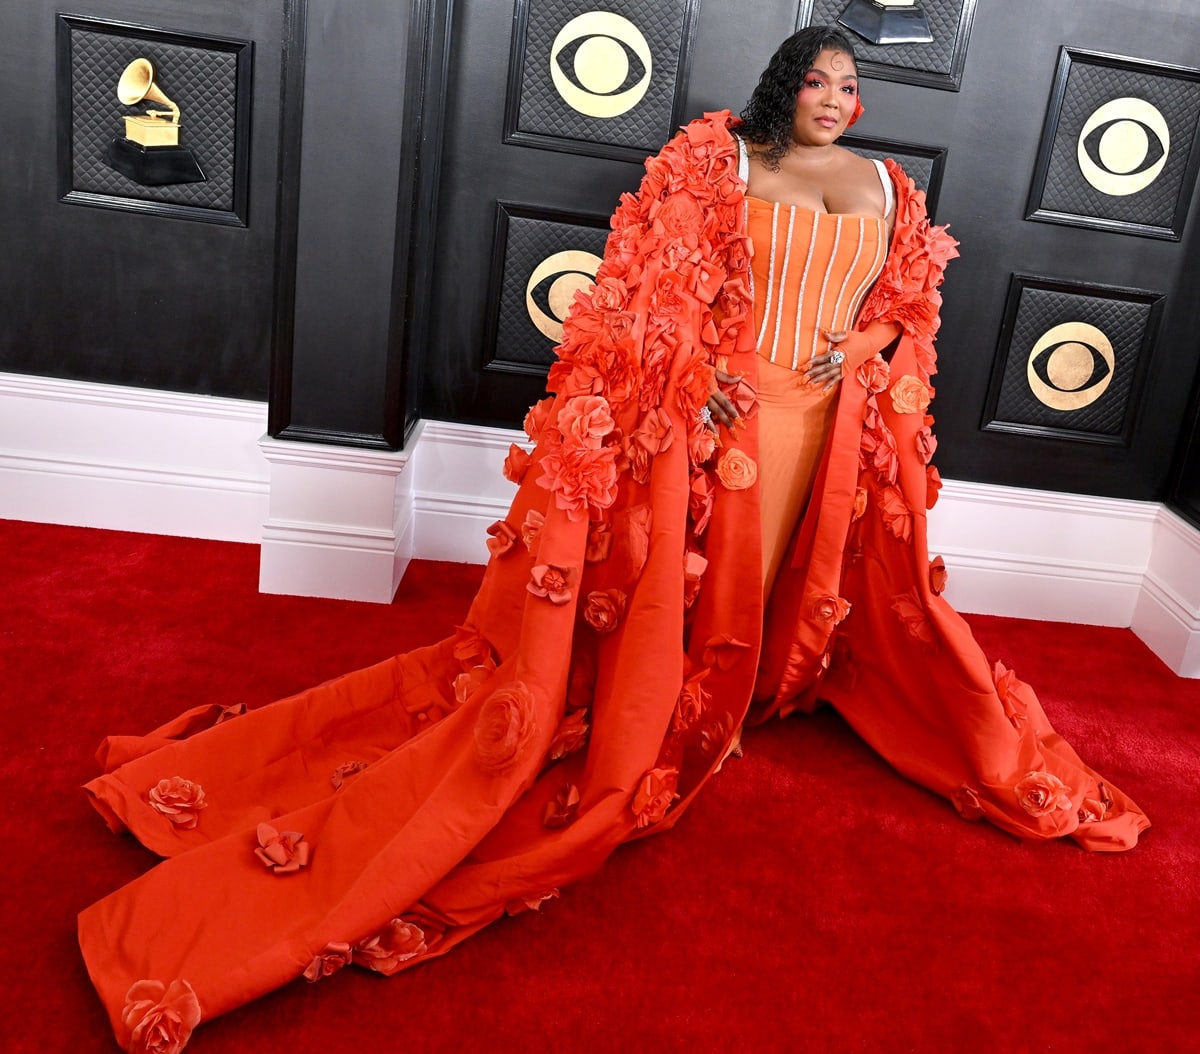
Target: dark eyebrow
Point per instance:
(830, 76)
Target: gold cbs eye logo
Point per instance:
(1123, 146)
(1070, 366)
(552, 287)
(601, 64)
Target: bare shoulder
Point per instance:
(855, 185)
(856, 168)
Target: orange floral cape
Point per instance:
(606, 664)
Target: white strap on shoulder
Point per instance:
(886, 180)
(743, 160)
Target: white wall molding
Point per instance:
(459, 489)
(344, 522)
(1042, 554)
(340, 522)
(131, 459)
(1167, 613)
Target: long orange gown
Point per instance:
(609, 658)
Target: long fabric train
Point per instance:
(607, 662)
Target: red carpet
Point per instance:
(884, 923)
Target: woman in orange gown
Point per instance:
(722, 417)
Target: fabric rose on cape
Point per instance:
(1094, 808)
(1041, 793)
(179, 800)
(604, 609)
(874, 374)
(896, 513)
(531, 528)
(537, 418)
(933, 485)
(654, 794)
(736, 470)
(520, 905)
(599, 543)
(586, 420)
(470, 648)
(702, 444)
(335, 955)
(516, 465)
(910, 395)
(700, 501)
(938, 576)
(504, 728)
(690, 705)
(466, 683)
(697, 381)
(282, 852)
(694, 566)
(500, 538)
(609, 294)
(830, 609)
(347, 768)
(637, 459)
(723, 651)
(654, 432)
(910, 611)
(160, 1018)
(392, 946)
(570, 735)
(580, 478)
(926, 442)
(562, 809)
(553, 583)
(1006, 688)
(719, 731)
(967, 802)
(679, 215)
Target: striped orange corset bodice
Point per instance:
(810, 271)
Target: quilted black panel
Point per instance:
(200, 81)
(920, 169)
(544, 112)
(520, 344)
(937, 56)
(1089, 87)
(1125, 322)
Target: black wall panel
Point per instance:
(116, 296)
(990, 130)
(380, 152)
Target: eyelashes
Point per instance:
(601, 64)
(1123, 146)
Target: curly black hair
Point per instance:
(767, 118)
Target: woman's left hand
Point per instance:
(826, 370)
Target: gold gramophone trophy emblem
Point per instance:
(149, 152)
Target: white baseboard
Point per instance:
(1167, 613)
(131, 459)
(340, 523)
(1042, 554)
(459, 490)
(344, 522)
